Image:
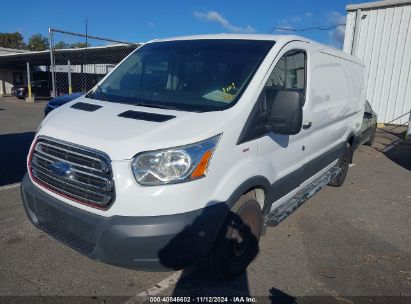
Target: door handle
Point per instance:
(307, 125)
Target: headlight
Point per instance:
(175, 164)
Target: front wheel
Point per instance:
(343, 164)
(237, 243)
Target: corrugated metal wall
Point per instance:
(384, 44)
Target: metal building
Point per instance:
(379, 33)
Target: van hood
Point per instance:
(122, 137)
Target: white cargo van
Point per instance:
(191, 146)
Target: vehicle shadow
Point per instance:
(400, 154)
(197, 281)
(390, 142)
(13, 154)
(195, 241)
(279, 297)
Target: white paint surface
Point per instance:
(384, 44)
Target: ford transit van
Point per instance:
(192, 146)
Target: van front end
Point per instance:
(143, 242)
(83, 199)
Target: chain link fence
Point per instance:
(80, 61)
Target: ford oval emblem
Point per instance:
(60, 168)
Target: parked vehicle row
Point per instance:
(192, 146)
(39, 89)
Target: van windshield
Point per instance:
(191, 75)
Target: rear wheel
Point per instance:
(237, 243)
(343, 164)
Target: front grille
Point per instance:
(87, 177)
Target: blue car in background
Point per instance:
(59, 101)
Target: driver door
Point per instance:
(283, 156)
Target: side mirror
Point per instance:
(368, 115)
(284, 111)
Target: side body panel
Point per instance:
(333, 108)
(335, 98)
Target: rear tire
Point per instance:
(343, 164)
(237, 243)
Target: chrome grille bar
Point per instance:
(74, 178)
(87, 177)
(69, 188)
(72, 157)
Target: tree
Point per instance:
(79, 45)
(12, 40)
(38, 42)
(61, 45)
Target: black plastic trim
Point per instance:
(317, 164)
(149, 242)
(255, 125)
(146, 116)
(288, 183)
(88, 107)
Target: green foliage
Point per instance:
(79, 45)
(61, 45)
(12, 40)
(38, 42)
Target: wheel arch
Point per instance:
(257, 187)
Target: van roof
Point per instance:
(278, 38)
(233, 36)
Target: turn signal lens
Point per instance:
(201, 168)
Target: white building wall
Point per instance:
(6, 80)
(383, 42)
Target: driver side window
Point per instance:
(289, 73)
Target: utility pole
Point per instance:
(53, 80)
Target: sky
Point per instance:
(143, 20)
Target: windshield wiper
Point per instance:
(93, 94)
(153, 105)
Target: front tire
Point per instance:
(237, 243)
(343, 164)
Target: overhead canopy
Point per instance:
(111, 54)
(18, 61)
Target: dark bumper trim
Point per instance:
(152, 242)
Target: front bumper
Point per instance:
(149, 242)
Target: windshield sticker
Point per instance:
(219, 96)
